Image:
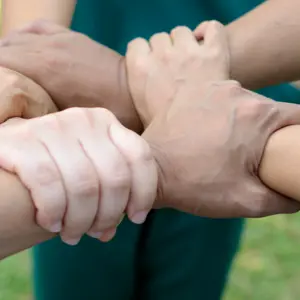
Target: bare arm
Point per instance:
(18, 229)
(17, 13)
(265, 44)
(280, 166)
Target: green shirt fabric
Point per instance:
(173, 255)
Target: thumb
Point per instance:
(143, 171)
(22, 97)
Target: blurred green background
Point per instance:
(267, 268)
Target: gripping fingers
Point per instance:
(143, 171)
(161, 42)
(79, 177)
(115, 181)
(183, 38)
(200, 30)
(137, 48)
(38, 172)
(215, 36)
(111, 168)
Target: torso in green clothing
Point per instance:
(116, 22)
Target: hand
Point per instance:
(73, 69)
(21, 97)
(83, 170)
(157, 70)
(209, 141)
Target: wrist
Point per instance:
(160, 161)
(237, 43)
(129, 116)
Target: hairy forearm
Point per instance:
(18, 229)
(265, 44)
(16, 13)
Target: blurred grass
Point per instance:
(15, 278)
(267, 268)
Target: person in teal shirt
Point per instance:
(173, 255)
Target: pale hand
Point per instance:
(83, 170)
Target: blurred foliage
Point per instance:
(267, 267)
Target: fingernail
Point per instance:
(108, 235)
(71, 242)
(139, 217)
(95, 235)
(56, 227)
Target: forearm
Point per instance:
(280, 166)
(265, 44)
(18, 229)
(16, 13)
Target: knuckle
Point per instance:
(85, 185)
(155, 37)
(50, 121)
(253, 108)
(40, 24)
(135, 42)
(141, 151)
(73, 113)
(46, 174)
(25, 132)
(178, 29)
(231, 90)
(105, 113)
(214, 24)
(228, 89)
(118, 176)
(118, 179)
(140, 65)
(162, 35)
(102, 115)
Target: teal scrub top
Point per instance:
(173, 255)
